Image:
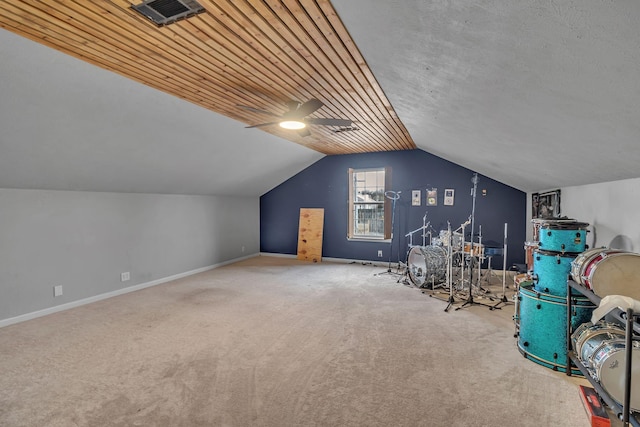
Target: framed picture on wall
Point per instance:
(448, 196)
(415, 198)
(432, 197)
(545, 205)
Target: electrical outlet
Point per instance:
(380, 253)
(243, 249)
(57, 291)
(125, 276)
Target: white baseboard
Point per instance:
(273, 254)
(328, 259)
(78, 303)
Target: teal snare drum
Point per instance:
(542, 326)
(562, 236)
(550, 271)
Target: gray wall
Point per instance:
(85, 240)
(610, 207)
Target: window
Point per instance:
(369, 209)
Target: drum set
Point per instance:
(559, 253)
(447, 260)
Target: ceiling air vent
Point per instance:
(165, 12)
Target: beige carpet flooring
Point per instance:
(278, 342)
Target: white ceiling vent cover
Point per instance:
(164, 12)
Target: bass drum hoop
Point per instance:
(628, 284)
(581, 262)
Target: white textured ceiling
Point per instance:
(535, 94)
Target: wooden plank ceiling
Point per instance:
(254, 53)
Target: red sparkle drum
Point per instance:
(608, 272)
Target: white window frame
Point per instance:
(352, 233)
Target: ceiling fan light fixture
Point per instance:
(292, 124)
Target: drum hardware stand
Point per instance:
(481, 259)
(404, 278)
(503, 299)
(451, 300)
(423, 229)
(470, 301)
(425, 225)
(393, 196)
(487, 274)
(462, 267)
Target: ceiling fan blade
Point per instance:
(256, 110)
(304, 132)
(261, 125)
(328, 122)
(307, 108)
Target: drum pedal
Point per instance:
(597, 414)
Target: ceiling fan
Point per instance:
(296, 118)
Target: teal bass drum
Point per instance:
(541, 321)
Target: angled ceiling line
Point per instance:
(278, 27)
(339, 82)
(367, 74)
(331, 46)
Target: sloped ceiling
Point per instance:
(538, 95)
(254, 53)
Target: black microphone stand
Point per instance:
(393, 196)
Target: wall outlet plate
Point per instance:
(380, 253)
(57, 291)
(125, 276)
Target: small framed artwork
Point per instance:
(415, 198)
(545, 205)
(448, 196)
(432, 197)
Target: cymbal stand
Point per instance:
(424, 227)
(425, 224)
(481, 259)
(451, 300)
(431, 292)
(462, 267)
(470, 301)
(480, 256)
(503, 299)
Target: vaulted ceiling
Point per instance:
(259, 54)
(537, 95)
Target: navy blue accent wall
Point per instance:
(325, 184)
